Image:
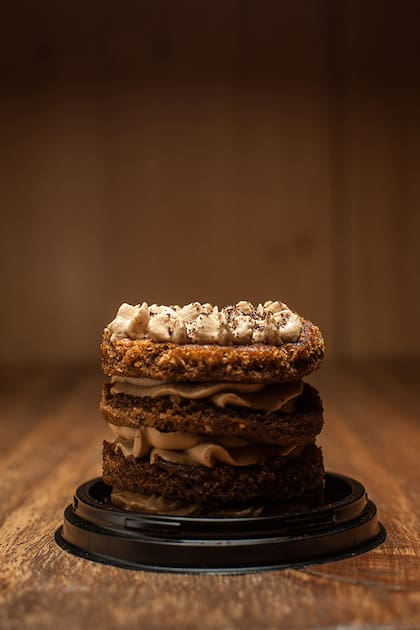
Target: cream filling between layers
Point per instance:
(155, 504)
(267, 398)
(182, 447)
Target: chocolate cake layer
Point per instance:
(277, 479)
(255, 363)
(199, 416)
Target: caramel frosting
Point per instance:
(182, 447)
(268, 323)
(155, 504)
(263, 397)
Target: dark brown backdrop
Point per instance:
(172, 151)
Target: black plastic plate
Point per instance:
(345, 525)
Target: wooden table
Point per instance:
(51, 434)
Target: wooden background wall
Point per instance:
(173, 151)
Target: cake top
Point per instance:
(243, 323)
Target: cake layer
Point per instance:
(277, 479)
(299, 426)
(252, 363)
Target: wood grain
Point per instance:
(165, 153)
(51, 431)
(379, 188)
(172, 152)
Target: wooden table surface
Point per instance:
(51, 434)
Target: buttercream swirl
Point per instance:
(157, 504)
(268, 398)
(182, 447)
(270, 323)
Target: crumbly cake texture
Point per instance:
(254, 363)
(198, 416)
(276, 480)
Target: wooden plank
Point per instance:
(380, 127)
(52, 247)
(162, 153)
(43, 587)
(371, 425)
(171, 153)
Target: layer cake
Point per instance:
(208, 410)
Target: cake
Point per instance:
(208, 409)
